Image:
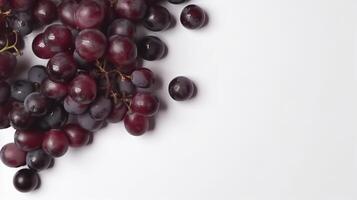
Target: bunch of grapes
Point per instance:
(94, 74)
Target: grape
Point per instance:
(89, 14)
(126, 87)
(55, 143)
(54, 119)
(7, 64)
(37, 74)
(157, 18)
(193, 17)
(54, 90)
(40, 48)
(45, 11)
(66, 12)
(20, 89)
(36, 104)
(12, 156)
(136, 124)
(4, 113)
(5, 92)
(100, 108)
(76, 135)
(26, 180)
(121, 50)
(21, 5)
(21, 22)
(81, 62)
(122, 27)
(61, 67)
(181, 88)
(130, 9)
(142, 78)
(83, 89)
(20, 119)
(91, 44)
(118, 112)
(38, 160)
(177, 1)
(58, 37)
(28, 140)
(144, 103)
(151, 48)
(87, 122)
(73, 107)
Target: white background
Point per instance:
(275, 117)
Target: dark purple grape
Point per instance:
(122, 27)
(4, 113)
(73, 107)
(136, 124)
(130, 9)
(157, 18)
(129, 68)
(89, 14)
(55, 143)
(45, 11)
(37, 74)
(54, 90)
(193, 17)
(28, 140)
(126, 87)
(12, 156)
(54, 119)
(5, 92)
(26, 180)
(142, 78)
(20, 89)
(76, 135)
(36, 104)
(7, 64)
(21, 5)
(177, 1)
(66, 12)
(87, 122)
(100, 108)
(118, 113)
(3, 37)
(144, 103)
(121, 50)
(38, 160)
(81, 62)
(151, 48)
(58, 37)
(83, 89)
(181, 88)
(40, 48)
(21, 22)
(91, 44)
(20, 119)
(3, 3)
(61, 67)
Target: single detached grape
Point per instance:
(121, 50)
(193, 17)
(76, 135)
(26, 180)
(122, 27)
(55, 143)
(130, 9)
(12, 156)
(91, 44)
(181, 88)
(36, 104)
(38, 160)
(83, 89)
(136, 124)
(28, 140)
(157, 18)
(151, 48)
